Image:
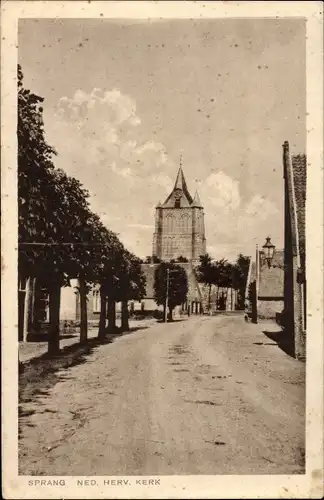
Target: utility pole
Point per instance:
(166, 297)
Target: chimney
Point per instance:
(285, 149)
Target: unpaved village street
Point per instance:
(205, 395)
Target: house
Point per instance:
(268, 284)
(279, 286)
(295, 250)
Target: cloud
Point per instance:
(261, 207)
(102, 141)
(232, 224)
(221, 191)
(120, 108)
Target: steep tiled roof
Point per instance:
(271, 282)
(299, 174)
(295, 192)
(180, 184)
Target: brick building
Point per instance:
(295, 250)
(179, 225)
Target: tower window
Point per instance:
(177, 204)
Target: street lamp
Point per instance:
(269, 250)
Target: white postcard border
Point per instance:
(238, 486)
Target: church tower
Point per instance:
(179, 224)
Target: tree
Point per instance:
(239, 278)
(59, 237)
(182, 259)
(35, 183)
(221, 274)
(170, 282)
(105, 273)
(131, 285)
(206, 274)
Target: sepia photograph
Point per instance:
(162, 271)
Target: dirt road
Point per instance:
(208, 395)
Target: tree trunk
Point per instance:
(217, 298)
(54, 319)
(83, 311)
(111, 315)
(33, 309)
(226, 298)
(21, 300)
(124, 316)
(209, 297)
(241, 298)
(28, 308)
(164, 315)
(254, 302)
(103, 314)
(170, 318)
(232, 309)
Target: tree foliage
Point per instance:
(59, 236)
(175, 287)
(240, 276)
(223, 274)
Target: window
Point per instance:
(177, 204)
(184, 223)
(170, 223)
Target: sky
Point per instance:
(124, 99)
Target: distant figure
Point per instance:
(189, 311)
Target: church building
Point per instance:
(179, 225)
(179, 236)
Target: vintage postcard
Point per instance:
(162, 249)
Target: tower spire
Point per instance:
(180, 186)
(196, 201)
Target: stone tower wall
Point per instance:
(179, 232)
(176, 233)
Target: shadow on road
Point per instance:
(282, 340)
(38, 375)
(134, 329)
(43, 337)
(175, 320)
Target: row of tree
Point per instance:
(60, 238)
(223, 274)
(171, 282)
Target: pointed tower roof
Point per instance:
(180, 185)
(196, 201)
(180, 180)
